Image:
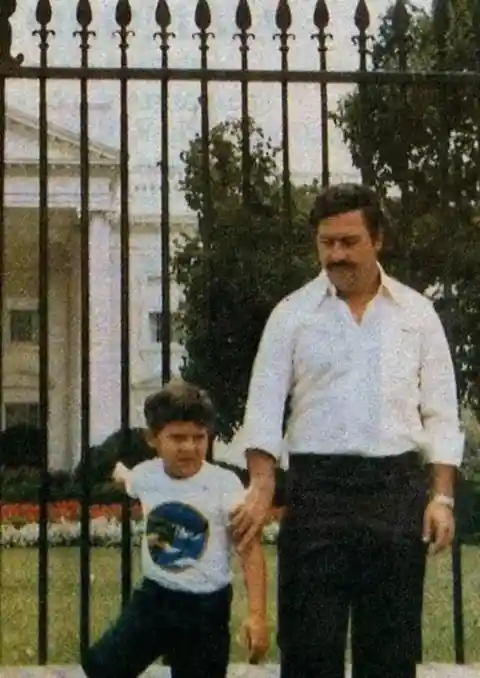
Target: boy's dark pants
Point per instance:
(192, 630)
(350, 542)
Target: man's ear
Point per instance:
(379, 242)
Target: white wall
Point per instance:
(145, 357)
(145, 296)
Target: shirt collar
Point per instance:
(388, 286)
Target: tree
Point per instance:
(244, 259)
(419, 147)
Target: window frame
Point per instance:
(20, 306)
(175, 339)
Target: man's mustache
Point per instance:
(343, 266)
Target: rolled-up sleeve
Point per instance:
(133, 482)
(270, 385)
(438, 395)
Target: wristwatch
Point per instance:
(444, 500)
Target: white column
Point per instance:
(104, 367)
(74, 352)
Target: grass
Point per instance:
(20, 608)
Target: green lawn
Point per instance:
(19, 604)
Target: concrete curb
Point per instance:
(236, 671)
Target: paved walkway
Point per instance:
(237, 671)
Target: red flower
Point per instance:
(69, 510)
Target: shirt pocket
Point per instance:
(400, 356)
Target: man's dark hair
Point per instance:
(179, 401)
(343, 198)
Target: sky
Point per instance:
(144, 98)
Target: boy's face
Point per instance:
(183, 447)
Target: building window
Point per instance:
(24, 326)
(155, 321)
(155, 327)
(22, 413)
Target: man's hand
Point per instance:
(248, 519)
(438, 527)
(254, 635)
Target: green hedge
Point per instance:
(23, 486)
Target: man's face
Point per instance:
(183, 447)
(347, 251)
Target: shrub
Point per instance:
(129, 447)
(19, 446)
(22, 485)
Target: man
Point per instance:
(372, 416)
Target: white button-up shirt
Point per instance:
(376, 388)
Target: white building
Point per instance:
(20, 287)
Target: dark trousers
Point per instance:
(191, 630)
(350, 544)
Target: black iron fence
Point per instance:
(402, 74)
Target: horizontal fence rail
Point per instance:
(14, 69)
(420, 79)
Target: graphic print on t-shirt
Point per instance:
(176, 535)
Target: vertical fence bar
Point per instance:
(321, 19)
(475, 387)
(476, 45)
(3, 123)
(203, 20)
(43, 17)
(2, 307)
(84, 19)
(163, 20)
(441, 25)
(283, 21)
(6, 59)
(243, 20)
(400, 25)
(123, 17)
(457, 586)
(362, 22)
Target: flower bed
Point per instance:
(22, 514)
(20, 524)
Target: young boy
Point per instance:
(181, 608)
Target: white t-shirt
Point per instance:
(186, 543)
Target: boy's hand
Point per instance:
(254, 635)
(120, 473)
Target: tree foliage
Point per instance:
(130, 447)
(243, 260)
(419, 145)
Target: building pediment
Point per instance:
(22, 143)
